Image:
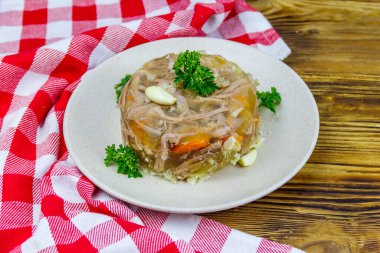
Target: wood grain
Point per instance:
(333, 203)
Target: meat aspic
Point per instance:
(196, 136)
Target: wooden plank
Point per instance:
(333, 203)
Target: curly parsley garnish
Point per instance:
(125, 159)
(119, 87)
(269, 99)
(192, 75)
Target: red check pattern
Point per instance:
(46, 204)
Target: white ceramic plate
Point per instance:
(92, 122)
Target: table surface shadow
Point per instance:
(333, 203)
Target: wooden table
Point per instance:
(333, 203)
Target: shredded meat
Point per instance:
(198, 116)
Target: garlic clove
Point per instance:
(159, 95)
(229, 144)
(249, 158)
(258, 142)
(237, 111)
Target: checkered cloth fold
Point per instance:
(46, 204)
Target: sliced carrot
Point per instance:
(190, 146)
(238, 137)
(130, 98)
(198, 142)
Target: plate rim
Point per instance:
(187, 210)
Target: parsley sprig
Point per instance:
(269, 99)
(125, 159)
(192, 75)
(119, 87)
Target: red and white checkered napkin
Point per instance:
(46, 204)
